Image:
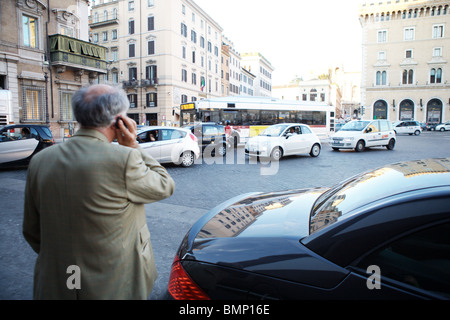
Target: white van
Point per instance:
(364, 133)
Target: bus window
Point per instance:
(250, 117)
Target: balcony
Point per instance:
(130, 84)
(73, 53)
(149, 82)
(103, 22)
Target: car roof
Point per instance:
(368, 204)
(147, 128)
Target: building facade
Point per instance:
(45, 56)
(163, 53)
(262, 69)
(405, 72)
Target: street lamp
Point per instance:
(47, 118)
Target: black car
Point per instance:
(384, 234)
(211, 137)
(20, 142)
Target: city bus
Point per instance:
(248, 116)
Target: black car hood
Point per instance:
(261, 233)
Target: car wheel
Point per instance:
(360, 146)
(442, 129)
(276, 154)
(391, 144)
(187, 159)
(315, 150)
(417, 132)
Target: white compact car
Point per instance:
(282, 140)
(360, 134)
(169, 145)
(408, 126)
(443, 126)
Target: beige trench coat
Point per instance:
(84, 207)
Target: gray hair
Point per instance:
(99, 109)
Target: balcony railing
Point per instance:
(149, 82)
(75, 53)
(143, 83)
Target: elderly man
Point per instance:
(84, 206)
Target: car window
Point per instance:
(305, 130)
(169, 134)
(374, 126)
(47, 132)
(210, 130)
(384, 126)
(148, 136)
(421, 260)
(18, 133)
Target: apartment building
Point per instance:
(163, 53)
(45, 57)
(259, 66)
(405, 71)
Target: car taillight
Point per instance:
(193, 137)
(181, 286)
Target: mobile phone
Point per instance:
(117, 123)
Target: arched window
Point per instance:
(105, 15)
(381, 78)
(436, 75)
(433, 76)
(408, 76)
(439, 75)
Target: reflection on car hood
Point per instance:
(261, 233)
(343, 133)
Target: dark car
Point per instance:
(20, 142)
(211, 137)
(431, 126)
(384, 234)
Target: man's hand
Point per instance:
(126, 133)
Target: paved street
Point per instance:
(199, 189)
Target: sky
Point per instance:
(299, 38)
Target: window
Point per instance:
(131, 27)
(151, 23)
(183, 53)
(133, 100)
(132, 73)
(408, 54)
(437, 52)
(183, 30)
(131, 50)
(381, 78)
(436, 75)
(115, 54)
(408, 76)
(183, 75)
(151, 47)
(438, 31)
(150, 100)
(408, 34)
(194, 78)
(193, 36)
(150, 3)
(150, 73)
(202, 42)
(95, 37)
(114, 34)
(30, 31)
(105, 35)
(66, 106)
(131, 5)
(33, 103)
(418, 260)
(382, 55)
(115, 77)
(382, 36)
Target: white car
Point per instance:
(282, 140)
(169, 145)
(408, 126)
(443, 126)
(360, 134)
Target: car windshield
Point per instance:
(274, 131)
(355, 126)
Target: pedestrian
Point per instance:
(84, 205)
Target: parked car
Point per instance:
(423, 125)
(283, 140)
(325, 243)
(211, 137)
(411, 127)
(431, 126)
(20, 142)
(360, 134)
(443, 126)
(169, 145)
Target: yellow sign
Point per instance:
(188, 106)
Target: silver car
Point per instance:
(169, 145)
